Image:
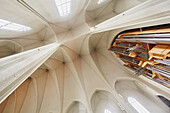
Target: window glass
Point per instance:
(107, 111)
(139, 108)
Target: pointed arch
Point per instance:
(104, 102)
(76, 107)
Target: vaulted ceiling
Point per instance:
(81, 73)
(48, 26)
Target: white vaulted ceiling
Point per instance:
(81, 75)
(44, 19)
(14, 12)
(50, 12)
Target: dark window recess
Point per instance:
(165, 100)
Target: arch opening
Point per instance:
(104, 102)
(76, 107)
(139, 98)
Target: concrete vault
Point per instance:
(62, 65)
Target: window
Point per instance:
(100, 1)
(164, 100)
(82, 108)
(64, 7)
(107, 111)
(7, 25)
(139, 108)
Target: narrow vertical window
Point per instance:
(107, 111)
(82, 108)
(139, 108)
(64, 7)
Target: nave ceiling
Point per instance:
(80, 75)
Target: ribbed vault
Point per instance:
(68, 68)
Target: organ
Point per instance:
(146, 51)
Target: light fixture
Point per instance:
(139, 108)
(100, 1)
(7, 25)
(64, 7)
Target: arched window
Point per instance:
(107, 111)
(82, 108)
(139, 108)
(104, 102)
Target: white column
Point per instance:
(149, 11)
(15, 69)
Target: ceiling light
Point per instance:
(64, 7)
(100, 1)
(7, 25)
